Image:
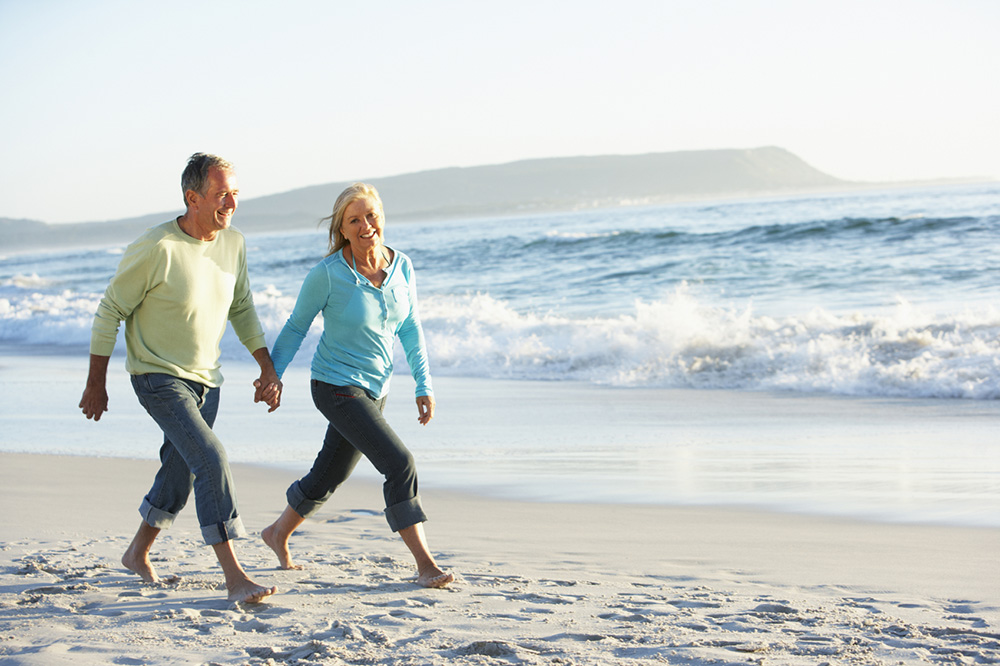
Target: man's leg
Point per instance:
(186, 411)
(136, 558)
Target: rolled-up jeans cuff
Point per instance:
(213, 534)
(225, 531)
(405, 514)
(301, 504)
(154, 517)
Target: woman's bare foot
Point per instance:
(279, 546)
(434, 577)
(249, 592)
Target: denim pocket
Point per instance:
(335, 396)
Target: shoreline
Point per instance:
(883, 460)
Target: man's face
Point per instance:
(214, 210)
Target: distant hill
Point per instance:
(539, 185)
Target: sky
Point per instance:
(104, 100)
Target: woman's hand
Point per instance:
(425, 408)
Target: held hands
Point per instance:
(268, 387)
(425, 408)
(268, 390)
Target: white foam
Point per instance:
(679, 342)
(906, 351)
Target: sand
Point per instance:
(537, 583)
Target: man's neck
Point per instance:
(189, 225)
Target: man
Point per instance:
(175, 288)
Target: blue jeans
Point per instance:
(191, 457)
(357, 427)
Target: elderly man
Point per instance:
(175, 288)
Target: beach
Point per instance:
(539, 580)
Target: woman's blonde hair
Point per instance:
(346, 198)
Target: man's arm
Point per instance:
(268, 387)
(95, 396)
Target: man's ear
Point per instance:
(191, 197)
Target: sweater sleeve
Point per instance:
(411, 336)
(312, 297)
(242, 313)
(137, 273)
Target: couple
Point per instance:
(175, 289)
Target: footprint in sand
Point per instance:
(353, 514)
(771, 608)
(545, 598)
(252, 625)
(407, 615)
(488, 649)
(693, 604)
(618, 617)
(311, 652)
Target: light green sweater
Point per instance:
(175, 294)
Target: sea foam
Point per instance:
(675, 342)
(679, 342)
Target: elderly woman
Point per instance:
(367, 295)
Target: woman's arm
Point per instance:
(312, 297)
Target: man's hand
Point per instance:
(269, 391)
(267, 388)
(425, 408)
(95, 396)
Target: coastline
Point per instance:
(893, 461)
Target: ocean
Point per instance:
(889, 293)
(881, 294)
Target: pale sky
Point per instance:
(104, 100)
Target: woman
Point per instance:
(367, 295)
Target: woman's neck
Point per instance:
(371, 264)
(371, 259)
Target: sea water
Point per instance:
(888, 295)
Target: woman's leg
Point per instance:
(359, 419)
(276, 536)
(429, 574)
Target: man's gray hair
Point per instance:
(195, 176)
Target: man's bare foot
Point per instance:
(139, 563)
(249, 592)
(434, 577)
(280, 548)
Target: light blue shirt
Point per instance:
(360, 324)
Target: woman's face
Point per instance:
(362, 225)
